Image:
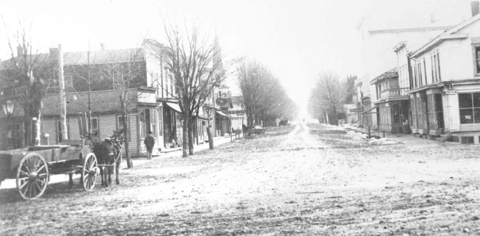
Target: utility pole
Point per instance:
(89, 128)
(63, 103)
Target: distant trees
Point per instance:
(349, 89)
(263, 95)
(328, 96)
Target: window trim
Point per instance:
(476, 60)
(98, 125)
(435, 66)
(128, 126)
(466, 108)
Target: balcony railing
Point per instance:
(393, 93)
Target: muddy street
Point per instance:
(303, 179)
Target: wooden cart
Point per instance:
(32, 166)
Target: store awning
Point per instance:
(221, 113)
(174, 106)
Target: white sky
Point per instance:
(295, 39)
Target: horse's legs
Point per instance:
(110, 169)
(101, 175)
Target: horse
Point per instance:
(108, 153)
(236, 132)
(247, 131)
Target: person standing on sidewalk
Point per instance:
(149, 143)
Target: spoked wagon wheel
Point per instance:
(89, 172)
(32, 176)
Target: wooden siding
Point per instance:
(385, 118)
(133, 125)
(48, 127)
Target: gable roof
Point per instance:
(85, 57)
(104, 56)
(388, 74)
(447, 35)
(101, 102)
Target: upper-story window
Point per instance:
(419, 74)
(477, 59)
(425, 71)
(379, 91)
(403, 77)
(435, 66)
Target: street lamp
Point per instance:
(8, 107)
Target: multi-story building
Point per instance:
(391, 102)
(445, 82)
(94, 81)
(381, 32)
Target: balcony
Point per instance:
(394, 93)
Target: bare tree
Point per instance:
(349, 89)
(326, 97)
(192, 60)
(126, 71)
(28, 71)
(83, 74)
(263, 95)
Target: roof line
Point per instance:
(446, 35)
(384, 31)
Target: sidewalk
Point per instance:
(172, 152)
(10, 183)
(407, 139)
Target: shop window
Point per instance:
(469, 105)
(95, 126)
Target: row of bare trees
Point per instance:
(265, 99)
(329, 94)
(195, 61)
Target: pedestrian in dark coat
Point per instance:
(149, 143)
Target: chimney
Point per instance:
(102, 46)
(475, 7)
(54, 54)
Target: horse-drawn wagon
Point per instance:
(32, 166)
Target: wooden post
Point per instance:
(63, 103)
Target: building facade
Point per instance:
(445, 83)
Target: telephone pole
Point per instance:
(63, 103)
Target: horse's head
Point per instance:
(90, 138)
(117, 137)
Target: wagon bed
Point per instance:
(31, 166)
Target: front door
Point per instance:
(439, 111)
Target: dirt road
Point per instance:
(315, 180)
